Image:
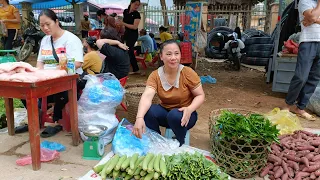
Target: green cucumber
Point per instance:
(126, 163)
(127, 177)
(157, 163)
(143, 173)
(146, 161)
(115, 174)
(151, 164)
(98, 169)
(156, 175)
(121, 160)
(113, 163)
(149, 176)
(137, 177)
(133, 160)
(137, 171)
(163, 168)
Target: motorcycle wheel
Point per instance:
(236, 63)
(25, 52)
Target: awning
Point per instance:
(40, 4)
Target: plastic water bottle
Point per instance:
(63, 61)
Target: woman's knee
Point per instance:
(174, 116)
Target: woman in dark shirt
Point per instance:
(117, 60)
(131, 20)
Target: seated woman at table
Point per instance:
(117, 59)
(180, 91)
(56, 42)
(92, 62)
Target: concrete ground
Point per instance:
(70, 165)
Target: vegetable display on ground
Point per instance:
(152, 166)
(297, 156)
(240, 142)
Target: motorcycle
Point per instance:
(232, 46)
(32, 38)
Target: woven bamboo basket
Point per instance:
(133, 96)
(237, 157)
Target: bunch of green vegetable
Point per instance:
(254, 126)
(144, 167)
(192, 166)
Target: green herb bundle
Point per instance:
(192, 166)
(254, 126)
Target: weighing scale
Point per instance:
(93, 147)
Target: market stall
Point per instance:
(22, 81)
(278, 64)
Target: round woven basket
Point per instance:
(133, 96)
(236, 157)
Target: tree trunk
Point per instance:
(267, 26)
(164, 12)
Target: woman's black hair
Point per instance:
(132, 1)
(101, 12)
(86, 17)
(151, 35)
(237, 30)
(162, 28)
(167, 42)
(109, 33)
(51, 14)
(92, 43)
(7, 1)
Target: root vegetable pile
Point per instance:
(296, 157)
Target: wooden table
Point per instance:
(31, 92)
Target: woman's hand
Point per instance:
(123, 46)
(186, 116)
(139, 127)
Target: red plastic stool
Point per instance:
(64, 122)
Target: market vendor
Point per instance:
(56, 42)
(180, 91)
(307, 72)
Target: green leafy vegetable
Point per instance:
(192, 166)
(255, 126)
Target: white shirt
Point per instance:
(68, 42)
(310, 33)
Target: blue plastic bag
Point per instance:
(53, 146)
(125, 143)
(208, 79)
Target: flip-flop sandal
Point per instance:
(21, 129)
(307, 116)
(51, 131)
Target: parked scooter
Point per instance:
(32, 38)
(232, 45)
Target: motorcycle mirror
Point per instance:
(31, 14)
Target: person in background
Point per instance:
(131, 20)
(155, 46)
(9, 15)
(180, 91)
(117, 59)
(85, 26)
(58, 40)
(102, 16)
(307, 73)
(112, 24)
(164, 35)
(92, 62)
(146, 42)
